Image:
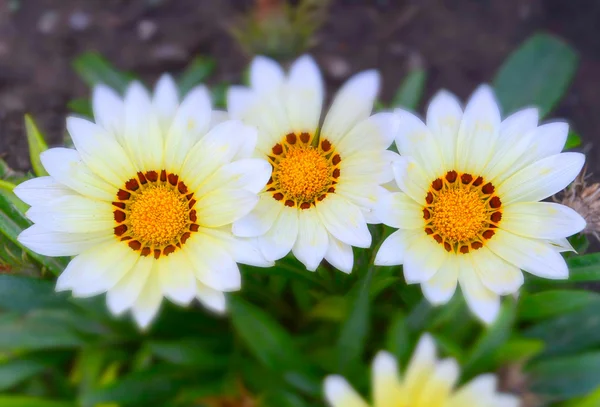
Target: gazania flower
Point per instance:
(427, 382)
(146, 199)
(468, 209)
(326, 179)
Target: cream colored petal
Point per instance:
(240, 99)
(51, 243)
(444, 115)
(534, 256)
(177, 279)
(339, 255)
(125, 293)
(344, 221)
(313, 240)
(74, 214)
(398, 210)
(481, 391)
(102, 154)
(423, 258)
(546, 140)
(224, 206)
(148, 302)
(392, 250)
(387, 389)
(250, 174)
(41, 190)
(479, 130)
(483, 302)
(440, 288)
(416, 141)
(352, 104)
(561, 245)
(243, 250)
(282, 236)
(165, 101)
(265, 74)
(109, 111)
(339, 393)
(261, 219)
(374, 133)
(411, 179)
(66, 166)
(368, 167)
(365, 195)
(439, 385)
(542, 220)
(496, 273)
(541, 179)
(212, 299)
(304, 94)
(421, 366)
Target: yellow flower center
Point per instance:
(158, 215)
(154, 213)
(304, 170)
(461, 212)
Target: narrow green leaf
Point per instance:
(37, 145)
(219, 95)
(263, 336)
(81, 106)
(93, 69)
(23, 294)
(566, 377)
(538, 73)
(411, 90)
(15, 371)
(196, 73)
(33, 333)
(397, 340)
(584, 268)
(518, 350)
(189, 352)
(590, 400)
(554, 303)
(24, 401)
(573, 140)
(353, 336)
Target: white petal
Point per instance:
(373, 166)
(387, 389)
(352, 104)
(143, 136)
(265, 74)
(261, 219)
(102, 154)
(239, 100)
(561, 245)
(423, 258)
(304, 95)
(212, 299)
(398, 210)
(41, 190)
(439, 386)
(66, 166)
(282, 236)
(542, 220)
(365, 195)
(165, 101)
(344, 221)
(245, 251)
(483, 302)
(51, 243)
(416, 141)
(190, 123)
(312, 242)
(541, 179)
(74, 214)
(534, 256)
(108, 110)
(216, 149)
(421, 365)
(177, 278)
(495, 273)
(411, 179)
(479, 130)
(218, 116)
(224, 206)
(391, 252)
(444, 115)
(125, 293)
(339, 255)
(546, 140)
(440, 288)
(148, 302)
(339, 393)
(374, 133)
(213, 264)
(250, 174)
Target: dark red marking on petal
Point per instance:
(496, 217)
(123, 195)
(152, 176)
(488, 234)
(336, 159)
(277, 149)
(304, 137)
(437, 184)
(466, 178)
(447, 247)
(451, 176)
(304, 205)
(325, 145)
(182, 188)
(119, 216)
(289, 203)
(336, 173)
(172, 178)
(278, 196)
(464, 249)
(119, 230)
(194, 227)
(135, 245)
(119, 205)
(476, 245)
(168, 250)
(429, 198)
(488, 188)
(291, 138)
(145, 251)
(193, 216)
(495, 202)
(132, 185)
(426, 214)
(478, 181)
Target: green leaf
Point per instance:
(518, 350)
(219, 95)
(189, 352)
(23, 294)
(15, 371)
(538, 73)
(573, 140)
(196, 72)
(481, 356)
(24, 401)
(93, 69)
(591, 400)
(81, 106)
(554, 303)
(353, 336)
(584, 268)
(411, 90)
(566, 377)
(263, 336)
(37, 145)
(332, 308)
(397, 340)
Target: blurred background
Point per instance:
(458, 43)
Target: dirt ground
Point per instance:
(460, 43)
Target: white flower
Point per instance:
(326, 179)
(146, 199)
(427, 382)
(468, 209)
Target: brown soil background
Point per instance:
(460, 43)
